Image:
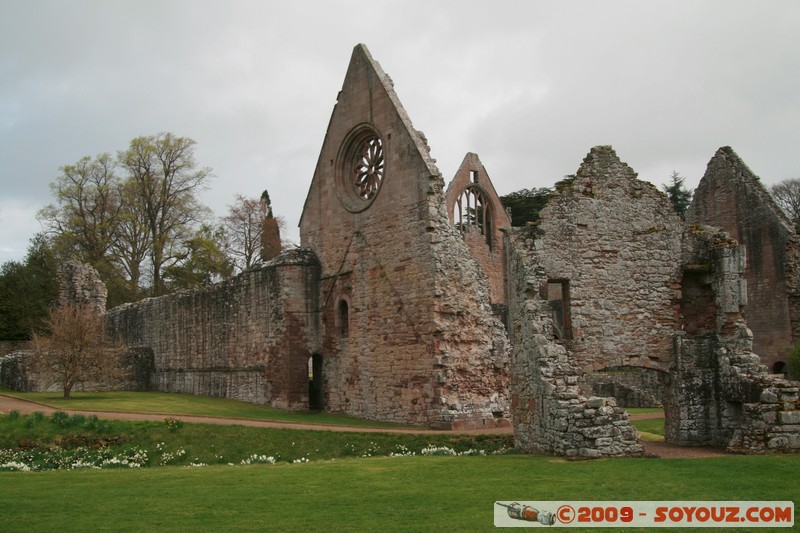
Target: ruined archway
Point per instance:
(630, 386)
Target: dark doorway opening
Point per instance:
(315, 395)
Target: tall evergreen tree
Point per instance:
(27, 289)
(680, 196)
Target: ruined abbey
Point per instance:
(413, 302)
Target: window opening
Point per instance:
(315, 382)
(471, 212)
(474, 176)
(344, 318)
(369, 169)
(558, 297)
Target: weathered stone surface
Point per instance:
(80, 284)
(730, 196)
(635, 287)
(422, 344)
(248, 338)
(481, 228)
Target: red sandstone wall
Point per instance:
(490, 253)
(731, 197)
(419, 325)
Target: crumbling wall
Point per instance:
(80, 284)
(407, 326)
(730, 196)
(629, 386)
(480, 223)
(614, 242)
(720, 394)
(247, 338)
(550, 414)
(594, 285)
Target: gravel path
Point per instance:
(653, 449)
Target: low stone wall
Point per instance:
(14, 373)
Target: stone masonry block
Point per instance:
(789, 417)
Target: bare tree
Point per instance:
(77, 348)
(165, 178)
(243, 226)
(787, 194)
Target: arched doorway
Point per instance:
(315, 396)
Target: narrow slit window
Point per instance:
(344, 318)
(558, 297)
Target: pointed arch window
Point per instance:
(472, 212)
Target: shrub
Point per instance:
(13, 415)
(60, 418)
(173, 424)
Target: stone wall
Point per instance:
(248, 338)
(80, 284)
(408, 333)
(629, 386)
(594, 285)
(484, 238)
(549, 410)
(719, 393)
(615, 242)
(730, 196)
(612, 278)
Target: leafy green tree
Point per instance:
(26, 291)
(84, 217)
(678, 194)
(202, 263)
(165, 178)
(84, 221)
(525, 204)
(133, 245)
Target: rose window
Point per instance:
(360, 168)
(369, 169)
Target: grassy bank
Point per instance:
(62, 441)
(186, 404)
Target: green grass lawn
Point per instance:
(344, 487)
(187, 404)
(643, 410)
(378, 494)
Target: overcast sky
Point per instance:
(530, 86)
